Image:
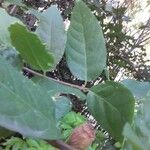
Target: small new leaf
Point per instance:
(30, 48)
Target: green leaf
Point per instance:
(62, 106)
(30, 47)
(73, 119)
(32, 143)
(6, 20)
(16, 143)
(139, 89)
(85, 48)
(13, 142)
(112, 105)
(51, 31)
(56, 88)
(25, 107)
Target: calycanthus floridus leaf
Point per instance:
(112, 105)
(85, 47)
(30, 47)
(25, 107)
(52, 32)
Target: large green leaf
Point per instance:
(138, 135)
(139, 89)
(30, 47)
(5, 21)
(56, 88)
(51, 31)
(112, 105)
(24, 106)
(85, 48)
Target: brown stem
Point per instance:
(13, 9)
(58, 81)
(61, 145)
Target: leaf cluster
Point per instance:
(34, 107)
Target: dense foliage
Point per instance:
(37, 101)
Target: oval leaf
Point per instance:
(52, 32)
(30, 47)
(112, 105)
(25, 107)
(85, 48)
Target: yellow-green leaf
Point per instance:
(30, 47)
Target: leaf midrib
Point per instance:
(85, 47)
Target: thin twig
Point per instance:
(13, 9)
(61, 145)
(58, 81)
